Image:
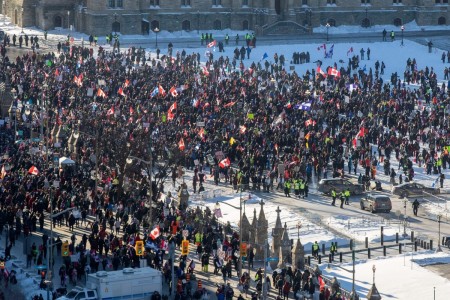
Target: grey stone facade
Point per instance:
(264, 17)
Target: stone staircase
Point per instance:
(284, 28)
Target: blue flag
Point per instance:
(155, 92)
(264, 56)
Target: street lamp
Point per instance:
(156, 30)
(129, 160)
(353, 296)
(22, 20)
(405, 220)
(4, 12)
(299, 225)
(198, 21)
(115, 23)
(328, 27)
(240, 225)
(438, 249)
(68, 19)
(403, 29)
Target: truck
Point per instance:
(129, 283)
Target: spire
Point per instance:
(278, 221)
(262, 222)
(285, 241)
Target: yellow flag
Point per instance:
(232, 141)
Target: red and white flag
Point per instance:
(170, 114)
(320, 71)
(173, 91)
(78, 80)
(161, 90)
(310, 122)
(110, 111)
(3, 173)
(334, 72)
(242, 129)
(224, 163)
(101, 93)
(126, 83)
(155, 233)
(350, 51)
(205, 71)
(230, 104)
(120, 92)
(181, 145)
(33, 170)
(201, 133)
(212, 44)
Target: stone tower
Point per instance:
(245, 228)
(285, 249)
(277, 232)
(298, 255)
(261, 232)
(252, 230)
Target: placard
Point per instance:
(90, 92)
(200, 124)
(101, 82)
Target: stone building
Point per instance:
(264, 16)
(285, 256)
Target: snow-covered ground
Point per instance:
(399, 277)
(396, 277)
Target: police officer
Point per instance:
(227, 38)
(347, 195)
(302, 188)
(287, 188)
(315, 249)
(202, 38)
(297, 187)
(333, 195)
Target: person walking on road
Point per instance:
(415, 206)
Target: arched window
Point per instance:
(398, 22)
(186, 25)
(245, 25)
(332, 22)
(365, 23)
(217, 25)
(155, 24)
(442, 21)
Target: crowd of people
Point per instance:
(246, 125)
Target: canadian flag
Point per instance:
(212, 44)
(205, 71)
(242, 129)
(310, 122)
(57, 72)
(33, 170)
(230, 104)
(161, 90)
(110, 111)
(120, 92)
(78, 80)
(3, 173)
(173, 91)
(224, 163)
(201, 133)
(170, 114)
(320, 71)
(334, 72)
(101, 93)
(131, 110)
(155, 233)
(181, 145)
(126, 83)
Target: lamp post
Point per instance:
(156, 30)
(14, 111)
(198, 21)
(328, 27)
(50, 243)
(405, 219)
(403, 29)
(22, 20)
(115, 23)
(240, 225)
(438, 249)
(4, 12)
(353, 296)
(68, 19)
(129, 160)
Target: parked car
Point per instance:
(339, 185)
(408, 189)
(376, 203)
